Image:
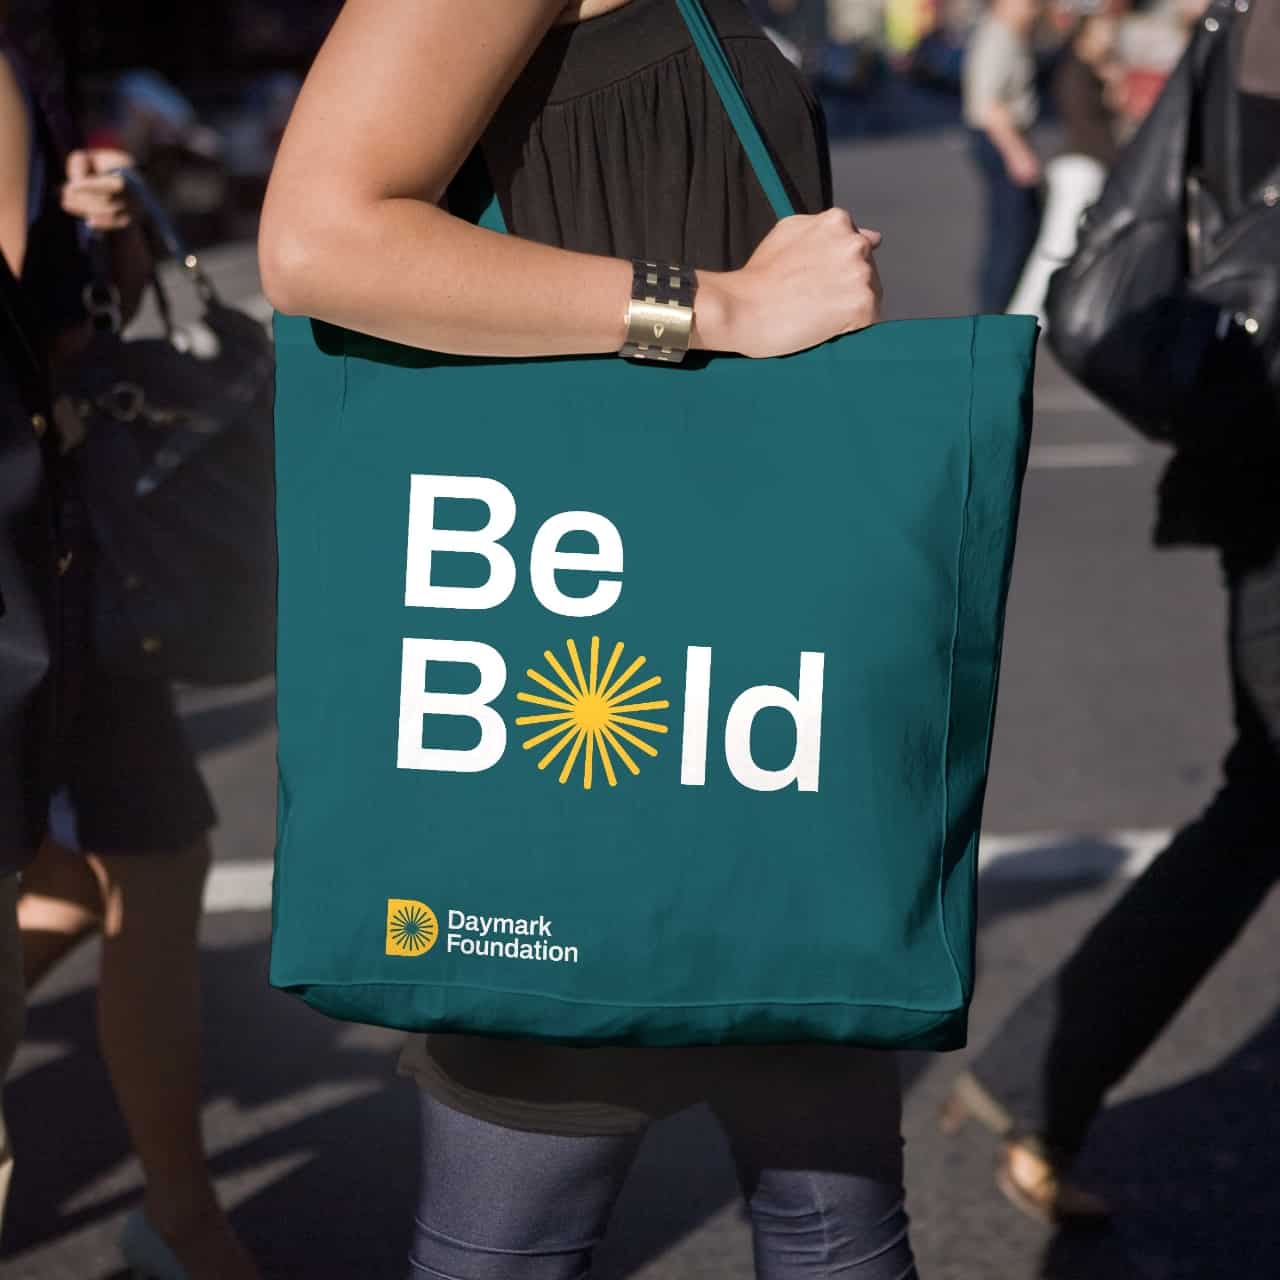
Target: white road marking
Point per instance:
(1042, 855)
(1065, 457)
(122, 1183)
(1068, 855)
(239, 886)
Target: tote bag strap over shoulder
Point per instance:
(726, 84)
(734, 100)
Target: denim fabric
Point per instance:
(506, 1204)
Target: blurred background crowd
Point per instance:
(200, 93)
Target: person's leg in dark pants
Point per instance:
(1013, 219)
(1079, 1033)
(502, 1204)
(821, 1168)
(820, 1163)
(1053, 1061)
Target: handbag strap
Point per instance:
(102, 298)
(716, 63)
(172, 239)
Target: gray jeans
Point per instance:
(505, 1204)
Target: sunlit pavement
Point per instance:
(1113, 716)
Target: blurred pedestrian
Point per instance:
(1087, 80)
(29, 548)
(604, 142)
(131, 797)
(28, 555)
(26, 572)
(1001, 106)
(1087, 85)
(1044, 1076)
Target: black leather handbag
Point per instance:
(1170, 308)
(174, 460)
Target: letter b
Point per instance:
(425, 539)
(417, 702)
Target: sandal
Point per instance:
(1026, 1175)
(1031, 1183)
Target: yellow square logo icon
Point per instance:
(412, 928)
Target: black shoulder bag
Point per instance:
(1169, 311)
(175, 466)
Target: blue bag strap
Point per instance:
(716, 63)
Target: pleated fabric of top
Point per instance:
(643, 704)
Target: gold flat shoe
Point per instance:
(1034, 1186)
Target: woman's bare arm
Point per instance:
(15, 165)
(352, 231)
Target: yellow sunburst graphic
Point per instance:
(592, 713)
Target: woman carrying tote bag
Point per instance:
(606, 143)
(627, 875)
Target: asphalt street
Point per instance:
(1112, 720)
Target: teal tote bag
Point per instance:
(637, 703)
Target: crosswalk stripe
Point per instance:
(1068, 457)
(1039, 856)
(239, 886)
(1066, 855)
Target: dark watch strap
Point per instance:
(656, 285)
(651, 282)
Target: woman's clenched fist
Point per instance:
(812, 277)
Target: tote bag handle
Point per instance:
(714, 59)
(716, 63)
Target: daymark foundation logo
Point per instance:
(412, 928)
(592, 714)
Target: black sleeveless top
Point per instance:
(613, 141)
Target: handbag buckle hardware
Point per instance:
(167, 419)
(124, 401)
(127, 402)
(102, 304)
